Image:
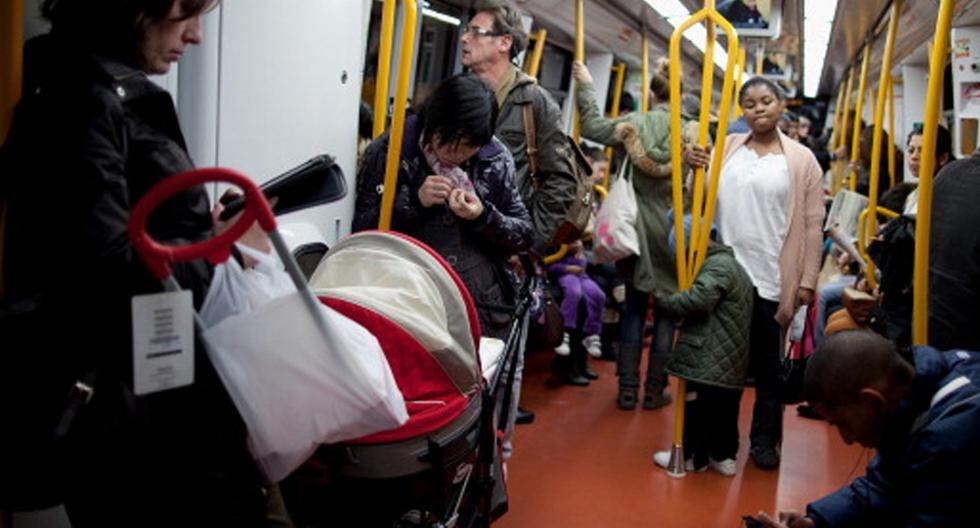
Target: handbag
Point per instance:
(799, 347)
(615, 235)
(547, 330)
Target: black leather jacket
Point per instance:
(88, 139)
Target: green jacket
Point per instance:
(713, 346)
(646, 138)
(548, 198)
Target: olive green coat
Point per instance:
(646, 138)
(713, 345)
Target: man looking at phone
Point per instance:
(923, 417)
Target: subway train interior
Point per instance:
(483, 308)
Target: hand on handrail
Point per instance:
(581, 72)
(697, 156)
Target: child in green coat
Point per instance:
(712, 354)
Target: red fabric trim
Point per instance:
(419, 377)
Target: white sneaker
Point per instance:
(593, 345)
(662, 459)
(725, 467)
(563, 349)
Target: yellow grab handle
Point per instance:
(856, 137)
(384, 68)
(532, 64)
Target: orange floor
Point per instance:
(584, 463)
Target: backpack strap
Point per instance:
(530, 134)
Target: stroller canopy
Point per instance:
(420, 312)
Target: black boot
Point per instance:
(564, 367)
(580, 360)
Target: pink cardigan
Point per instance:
(799, 259)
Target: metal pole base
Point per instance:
(676, 467)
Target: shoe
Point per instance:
(725, 467)
(765, 458)
(655, 400)
(806, 411)
(626, 399)
(593, 345)
(662, 459)
(576, 379)
(524, 416)
(563, 349)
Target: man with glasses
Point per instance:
(491, 41)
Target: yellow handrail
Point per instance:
(738, 81)
(556, 256)
(600, 190)
(923, 219)
(685, 276)
(892, 175)
(398, 114)
(384, 67)
(835, 132)
(873, 177)
(760, 55)
(579, 56)
(842, 137)
(532, 64)
(620, 70)
(856, 137)
(707, 80)
(645, 82)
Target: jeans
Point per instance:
(829, 300)
(631, 342)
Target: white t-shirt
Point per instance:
(752, 215)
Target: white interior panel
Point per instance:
(290, 81)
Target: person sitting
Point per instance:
(913, 150)
(743, 14)
(922, 414)
(712, 354)
(578, 286)
(455, 192)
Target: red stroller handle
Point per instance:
(158, 257)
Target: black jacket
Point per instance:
(954, 257)
(88, 139)
(477, 249)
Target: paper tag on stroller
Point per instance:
(163, 341)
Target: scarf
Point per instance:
(455, 174)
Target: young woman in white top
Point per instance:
(770, 211)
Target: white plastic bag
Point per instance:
(293, 390)
(235, 290)
(615, 235)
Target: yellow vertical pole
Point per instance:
(11, 41)
(883, 81)
(384, 67)
(398, 114)
(835, 132)
(685, 276)
(842, 137)
(856, 137)
(707, 80)
(533, 62)
(891, 132)
(760, 55)
(620, 70)
(579, 56)
(738, 81)
(645, 72)
(923, 219)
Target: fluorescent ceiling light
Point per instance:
(675, 13)
(442, 17)
(818, 20)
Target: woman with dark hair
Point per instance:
(455, 192)
(770, 211)
(89, 137)
(913, 149)
(646, 139)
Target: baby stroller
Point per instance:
(442, 468)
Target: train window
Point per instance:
(555, 72)
(437, 47)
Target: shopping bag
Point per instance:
(235, 290)
(293, 390)
(615, 235)
(798, 348)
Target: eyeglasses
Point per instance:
(479, 32)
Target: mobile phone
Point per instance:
(752, 522)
